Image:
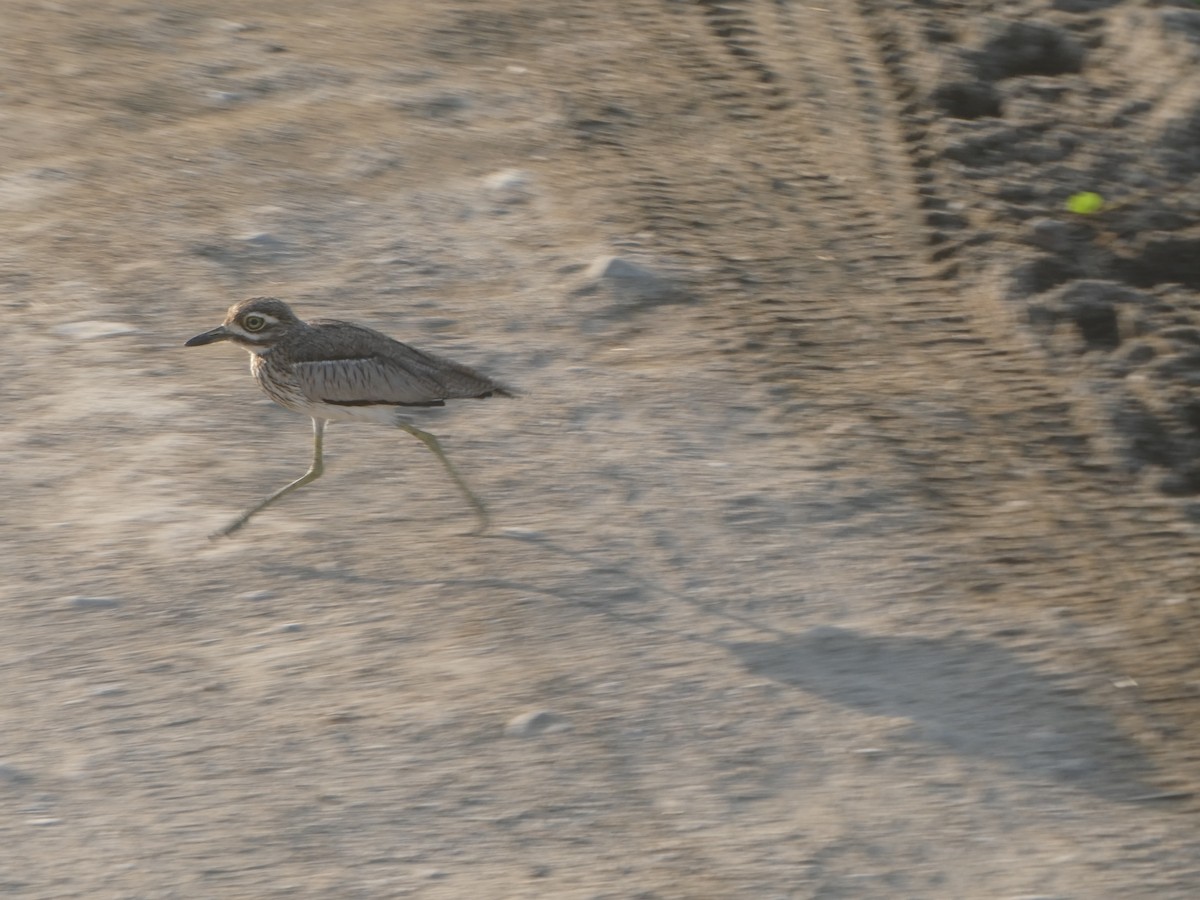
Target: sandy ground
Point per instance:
(851, 556)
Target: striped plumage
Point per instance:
(338, 371)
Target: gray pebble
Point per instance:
(108, 690)
(523, 534)
(509, 186)
(535, 722)
(225, 98)
(264, 241)
(632, 283)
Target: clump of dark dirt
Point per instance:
(1085, 96)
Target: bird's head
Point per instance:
(255, 325)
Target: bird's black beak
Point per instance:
(220, 333)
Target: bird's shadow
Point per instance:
(971, 697)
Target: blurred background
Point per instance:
(844, 536)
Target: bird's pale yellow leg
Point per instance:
(314, 472)
(436, 448)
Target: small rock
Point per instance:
(1093, 307)
(1027, 48)
(633, 283)
(264, 240)
(93, 602)
(257, 596)
(540, 721)
(225, 98)
(93, 328)
(523, 534)
(108, 690)
(509, 186)
(967, 99)
(291, 627)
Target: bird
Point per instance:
(335, 371)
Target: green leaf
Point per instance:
(1085, 203)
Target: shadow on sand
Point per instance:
(971, 697)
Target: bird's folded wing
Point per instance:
(372, 380)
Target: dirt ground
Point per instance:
(845, 540)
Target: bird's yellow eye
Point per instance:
(254, 322)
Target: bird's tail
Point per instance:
(500, 390)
